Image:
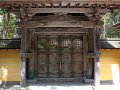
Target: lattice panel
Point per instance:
(77, 43)
(66, 43)
(53, 43)
(42, 43)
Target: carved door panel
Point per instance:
(66, 65)
(78, 65)
(59, 56)
(42, 65)
(53, 65)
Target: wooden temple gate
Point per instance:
(59, 46)
(59, 38)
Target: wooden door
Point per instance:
(59, 56)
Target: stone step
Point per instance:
(56, 81)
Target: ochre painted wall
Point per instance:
(10, 64)
(10, 61)
(107, 59)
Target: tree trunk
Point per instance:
(6, 17)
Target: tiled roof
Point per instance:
(116, 25)
(10, 43)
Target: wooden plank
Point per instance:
(59, 10)
(88, 11)
(36, 24)
(58, 33)
(62, 30)
(62, 17)
(65, 10)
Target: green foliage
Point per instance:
(2, 11)
(109, 19)
(11, 23)
(11, 26)
(115, 14)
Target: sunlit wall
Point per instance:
(110, 64)
(10, 64)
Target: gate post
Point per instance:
(96, 56)
(23, 48)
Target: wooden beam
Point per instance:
(103, 11)
(59, 10)
(61, 30)
(81, 24)
(59, 33)
(87, 11)
(60, 17)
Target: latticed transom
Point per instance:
(77, 43)
(66, 43)
(53, 43)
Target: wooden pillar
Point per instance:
(84, 54)
(23, 52)
(96, 56)
(33, 60)
(35, 55)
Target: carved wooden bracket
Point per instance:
(25, 15)
(97, 14)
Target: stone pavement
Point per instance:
(64, 87)
(107, 87)
(51, 87)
